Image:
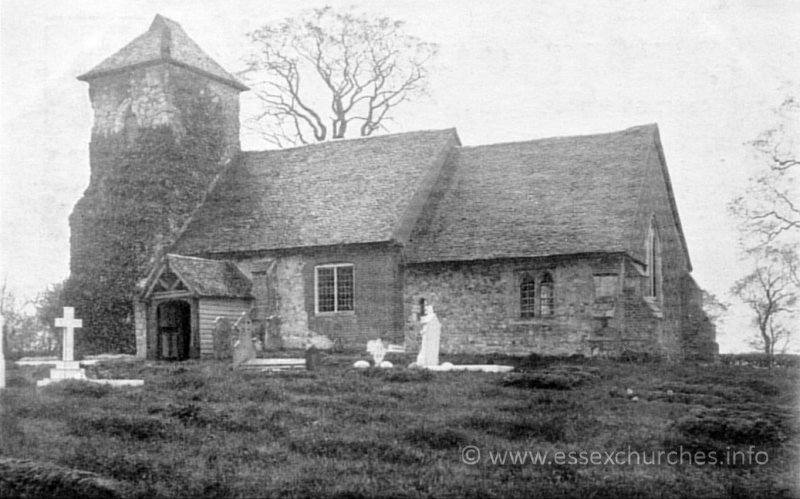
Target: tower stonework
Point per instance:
(166, 124)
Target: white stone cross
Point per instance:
(69, 323)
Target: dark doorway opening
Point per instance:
(174, 330)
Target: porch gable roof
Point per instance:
(203, 277)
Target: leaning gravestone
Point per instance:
(223, 339)
(429, 344)
(244, 349)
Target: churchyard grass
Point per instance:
(202, 429)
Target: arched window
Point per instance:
(527, 297)
(546, 295)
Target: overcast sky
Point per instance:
(708, 72)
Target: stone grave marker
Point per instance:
(377, 349)
(312, 358)
(244, 349)
(68, 367)
(244, 352)
(69, 323)
(429, 343)
(223, 339)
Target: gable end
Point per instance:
(671, 195)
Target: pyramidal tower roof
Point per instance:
(165, 41)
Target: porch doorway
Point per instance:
(174, 330)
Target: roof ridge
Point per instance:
(329, 143)
(653, 126)
(187, 257)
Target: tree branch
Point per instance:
(367, 67)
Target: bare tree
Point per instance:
(19, 326)
(771, 293)
(323, 74)
(769, 210)
(29, 325)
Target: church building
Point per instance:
(558, 246)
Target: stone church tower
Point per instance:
(166, 124)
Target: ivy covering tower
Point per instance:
(166, 125)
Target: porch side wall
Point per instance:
(212, 308)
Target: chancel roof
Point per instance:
(554, 196)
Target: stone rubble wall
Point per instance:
(700, 335)
(284, 291)
(478, 305)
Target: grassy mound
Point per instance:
(25, 478)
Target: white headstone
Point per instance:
(69, 323)
(429, 344)
(244, 349)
